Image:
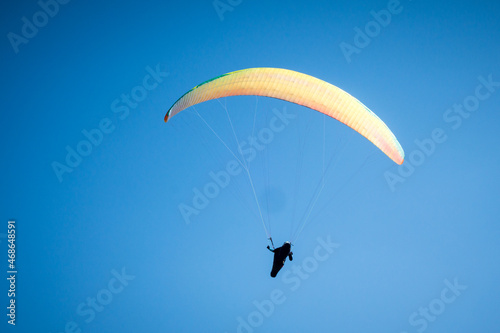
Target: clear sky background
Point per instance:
(102, 245)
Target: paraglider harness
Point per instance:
(279, 261)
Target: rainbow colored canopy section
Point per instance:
(300, 89)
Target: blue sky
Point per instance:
(102, 244)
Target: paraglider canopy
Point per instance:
(300, 89)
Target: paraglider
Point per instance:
(301, 89)
(280, 255)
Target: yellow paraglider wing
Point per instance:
(300, 89)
